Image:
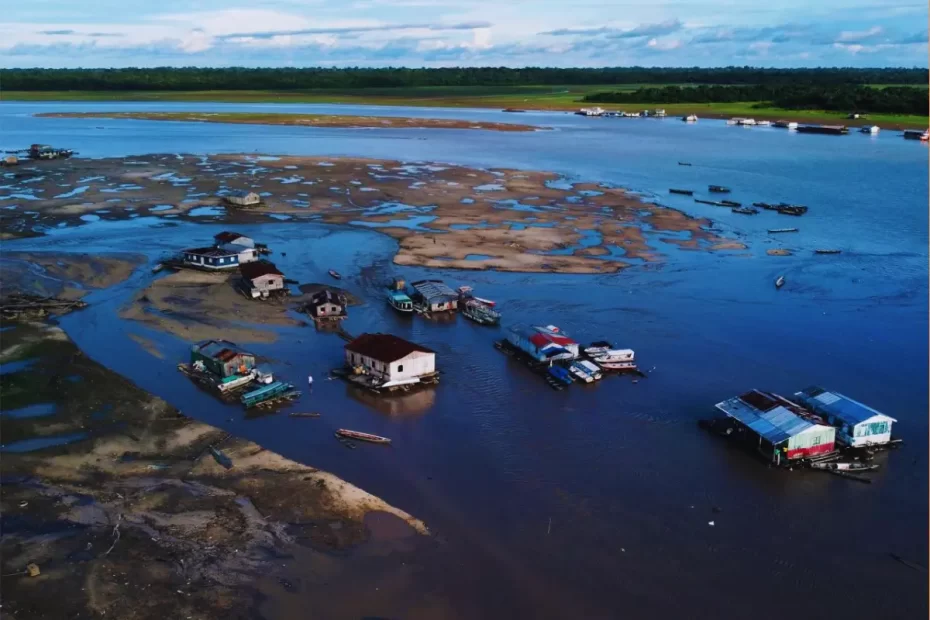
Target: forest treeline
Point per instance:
(240, 78)
(841, 97)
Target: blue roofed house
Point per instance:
(858, 425)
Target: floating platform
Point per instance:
(227, 392)
(378, 386)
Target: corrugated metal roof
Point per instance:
(219, 349)
(434, 290)
(775, 425)
(833, 403)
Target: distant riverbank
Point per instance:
(569, 98)
(304, 120)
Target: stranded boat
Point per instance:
(686, 192)
(347, 434)
(720, 189)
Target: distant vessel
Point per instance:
(595, 111)
(347, 434)
(480, 313)
(763, 123)
(834, 130)
(746, 122)
(691, 118)
(684, 163)
(335, 274)
(731, 203)
(745, 210)
(686, 192)
(785, 124)
(827, 251)
(782, 230)
(720, 189)
(780, 281)
(873, 129)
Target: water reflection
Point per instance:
(410, 405)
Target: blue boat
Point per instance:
(560, 374)
(272, 391)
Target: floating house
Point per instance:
(222, 358)
(781, 430)
(261, 279)
(543, 344)
(213, 258)
(434, 295)
(232, 238)
(242, 198)
(858, 425)
(834, 130)
(326, 306)
(392, 360)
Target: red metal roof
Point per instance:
(384, 347)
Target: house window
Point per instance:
(400, 368)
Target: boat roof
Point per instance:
(384, 347)
(212, 251)
(222, 350)
(835, 404)
(766, 415)
(399, 296)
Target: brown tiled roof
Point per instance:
(250, 271)
(384, 347)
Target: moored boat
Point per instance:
(827, 251)
(686, 192)
(731, 203)
(480, 313)
(872, 129)
(335, 274)
(745, 210)
(916, 134)
(785, 124)
(835, 130)
(599, 347)
(560, 374)
(720, 189)
(400, 301)
(791, 209)
(615, 356)
(782, 230)
(359, 436)
(585, 371)
(691, 118)
(763, 123)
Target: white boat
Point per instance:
(465, 293)
(738, 120)
(585, 371)
(763, 123)
(615, 355)
(595, 111)
(598, 348)
(873, 129)
(691, 118)
(617, 365)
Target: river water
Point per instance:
(594, 502)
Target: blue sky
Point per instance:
(778, 33)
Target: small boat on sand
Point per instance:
(335, 274)
(686, 192)
(782, 230)
(359, 436)
(720, 189)
(780, 281)
(827, 251)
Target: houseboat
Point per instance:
(858, 425)
(213, 258)
(833, 130)
(691, 118)
(746, 122)
(781, 431)
(434, 296)
(785, 124)
(466, 293)
(261, 279)
(480, 313)
(385, 361)
(326, 306)
(242, 198)
(399, 301)
(542, 344)
(223, 366)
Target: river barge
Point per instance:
(830, 130)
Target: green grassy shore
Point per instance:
(521, 97)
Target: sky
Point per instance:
(441, 33)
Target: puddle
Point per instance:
(207, 211)
(161, 208)
(468, 201)
(411, 223)
(74, 192)
(389, 208)
(32, 411)
(279, 216)
(16, 366)
(514, 205)
(39, 443)
(479, 257)
(90, 217)
(19, 197)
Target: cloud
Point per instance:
(663, 45)
(643, 30)
(57, 32)
(860, 36)
(353, 30)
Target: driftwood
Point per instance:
(23, 305)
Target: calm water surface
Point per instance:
(629, 482)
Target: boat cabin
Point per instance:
(781, 430)
(857, 425)
(390, 358)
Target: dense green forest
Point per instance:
(844, 98)
(239, 78)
